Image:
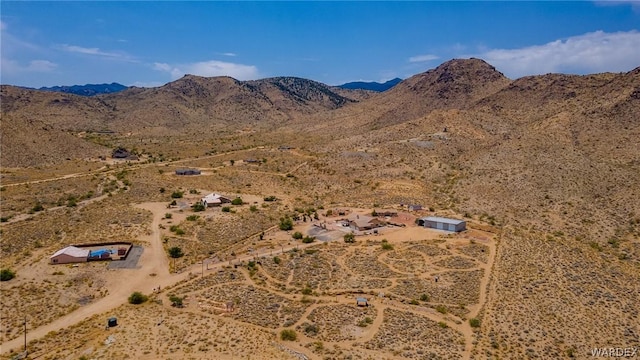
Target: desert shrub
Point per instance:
(442, 309)
(443, 324)
(193, 191)
(424, 297)
(387, 246)
(168, 216)
(350, 238)
(307, 291)
(226, 209)
(193, 217)
(285, 223)
(288, 335)
(414, 302)
(311, 329)
(253, 208)
(175, 252)
(236, 201)
(37, 207)
(7, 274)
(297, 235)
(198, 206)
(475, 322)
(176, 300)
(308, 239)
(270, 198)
(276, 260)
(177, 194)
(137, 298)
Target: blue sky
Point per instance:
(152, 43)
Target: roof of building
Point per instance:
(442, 220)
(214, 198)
(72, 251)
(361, 299)
(362, 221)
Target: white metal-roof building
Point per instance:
(214, 200)
(441, 223)
(70, 254)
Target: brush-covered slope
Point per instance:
(191, 104)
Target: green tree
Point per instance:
(236, 201)
(474, 322)
(176, 301)
(175, 252)
(288, 335)
(137, 298)
(286, 223)
(7, 274)
(198, 207)
(349, 238)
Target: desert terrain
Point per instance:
(543, 169)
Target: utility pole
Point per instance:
(25, 336)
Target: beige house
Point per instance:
(70, 254)
(362, 222)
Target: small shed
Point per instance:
(112, 321)
(441, 223)
(188, 172)
(415, 207)
(360, 301)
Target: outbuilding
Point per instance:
(70, 254)
(188, 172)
(442, 223)
(214, 200)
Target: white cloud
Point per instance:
(41, 66)
(149, 84)
(229, 54)
(423, 58)
(210, 68)
(96, 52)
(11, 67)
(589, 53)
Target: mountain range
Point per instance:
(372, 86)
(97, 89)
(87, 90)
